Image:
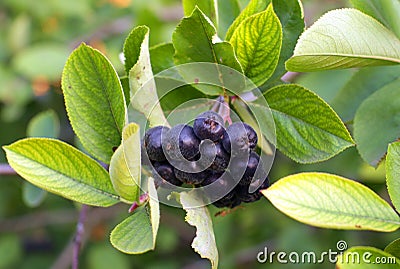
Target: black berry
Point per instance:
(240, 138)
(209, 125)
(242, 191)
(216, 153)
(152, 143)
(230, 200)
(181, 140)
(188, 177)
(166, 172)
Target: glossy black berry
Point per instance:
(209, 125)
(216, 153)
(166, 172)
(181, 141)
(240, 138)
(242, 191)
(230, 200)
(188, 177)
(152, 143)
(245, 168)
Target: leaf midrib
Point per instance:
(304, 122)
(105, 92)
(374, 57)
(103, 192)
(339, 213)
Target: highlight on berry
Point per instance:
(207, 154)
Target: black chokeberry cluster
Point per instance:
(205, 154)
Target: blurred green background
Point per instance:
(36, 38)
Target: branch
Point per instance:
(6, 170)
(80, 229)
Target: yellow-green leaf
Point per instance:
(344, 38)
(63, 170)
(366, 258)
(331, 201)
(125, 165)
(257, 43)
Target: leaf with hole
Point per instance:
(199, 216)
(344, 38)
(63, 170)
(330, 201)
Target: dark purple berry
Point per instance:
(242, 191)
(181, 141)
(240, 138)
(166, 172)
(188, 177)
(216, 153)
(245, 168)
(230, 200)
(209, 125)
(152, 143)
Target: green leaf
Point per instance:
(307, 129)
(32, 195)
(94, 101)
(125, 165)
(195, 41)
(154, 208)
(162, 57)
(339, 40)
(209, 7)
(141, 81)
(199, 217)
(44, 124)
(387, 12)
(331, 201)
(290, 14)
(254, 7)
(134, 235)
(379, 112)
(365, 82)
(393, 173)
(137, 233)
(366, 258)
(257, 43)
(228, 10)
(132, 46)
(30, 61)
(394, 248)
(61, 169)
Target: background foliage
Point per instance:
(33, 236)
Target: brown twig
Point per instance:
(80, 229)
